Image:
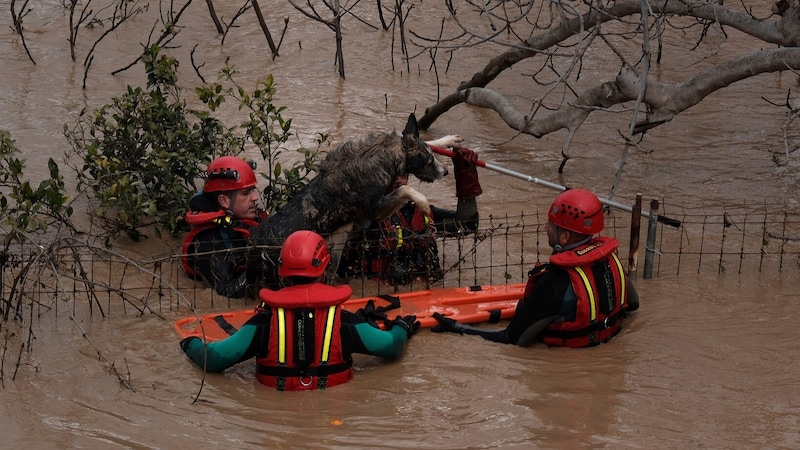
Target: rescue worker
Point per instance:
(222, 217)
(403, 247)
(300, 336)
(581, 296)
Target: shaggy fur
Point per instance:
(352, 185)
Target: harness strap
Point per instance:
(394, 303)
(224, 324)
(372, 314)
(285, 372)
(609, 322)
(495, 315)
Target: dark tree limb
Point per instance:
(214, 17)
(265, 29)
(168, 33)
(16, 19)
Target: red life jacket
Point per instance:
(201, 221)
(395, 224)
(600, 285)
(304, 350)
(399, 233)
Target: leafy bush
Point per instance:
(267, 130)
(24, 209)
(142, 154)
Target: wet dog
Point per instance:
(354, 183)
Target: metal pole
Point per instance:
(550, 184)
(650, 247)
(636, 219)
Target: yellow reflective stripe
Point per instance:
(623, 282)
(590, 291)
(326, 345)
(399, 233)
(281, 336)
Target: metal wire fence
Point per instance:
(67, 275)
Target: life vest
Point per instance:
(406, 245)
(394, 226)
(304, 348)
(599, 283)
(201, 221)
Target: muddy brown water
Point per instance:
(710, 360)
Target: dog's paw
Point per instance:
(451, 140)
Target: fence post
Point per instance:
(650, 246)
(636, 219)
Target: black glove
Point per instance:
(187, 343)
(466, 173)
(446, 325)
(408, 323)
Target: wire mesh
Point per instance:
(67, 275)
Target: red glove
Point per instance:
(466, 173)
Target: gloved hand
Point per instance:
(408, 323)
(190, 342)
(446, 325)
(466, 173)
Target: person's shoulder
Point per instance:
(550, 273)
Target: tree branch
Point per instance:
(664, 99)
(785, 31)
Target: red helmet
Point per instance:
(304, 254)
(229, 173)
(577, 210)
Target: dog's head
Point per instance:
(420, 161)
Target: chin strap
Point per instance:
(558, 248)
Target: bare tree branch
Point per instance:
(16, 19)
(785, 31)
(169, 21)
(265, 29)
(214, 17)
(123, 11)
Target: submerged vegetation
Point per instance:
(139, 158)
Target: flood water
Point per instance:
(709, 360)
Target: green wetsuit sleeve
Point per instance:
(376, 342)
(218, 356)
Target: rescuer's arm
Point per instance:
(364, 338)
(220, 355)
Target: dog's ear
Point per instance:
(411, 126)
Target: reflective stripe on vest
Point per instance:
(590, 292)
(623, 281)
(281, 336)
(326, 341)
(326, 345)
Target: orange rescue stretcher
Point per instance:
(473, 304)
